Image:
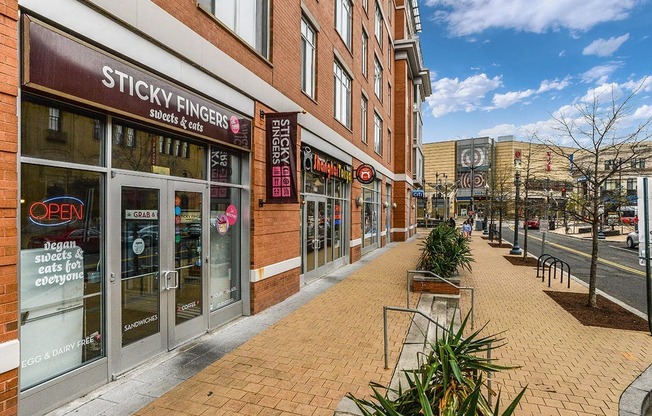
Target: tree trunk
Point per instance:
(592, 301)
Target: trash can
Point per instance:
(478, 225)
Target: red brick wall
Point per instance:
(8, 195)
(273, 290)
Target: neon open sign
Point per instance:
(56, 211)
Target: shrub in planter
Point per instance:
(444, 251)
(448, 381)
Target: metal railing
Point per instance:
(386, 309)
(542, 262)
(411, 273)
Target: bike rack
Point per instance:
(542, 262)
(411, 273)
(542, 259)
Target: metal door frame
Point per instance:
(169, 336)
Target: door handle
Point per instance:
(166, 275)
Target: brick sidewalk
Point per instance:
(308, 361)
(570, 369)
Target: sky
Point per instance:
(507, 67)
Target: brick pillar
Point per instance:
(8, 207)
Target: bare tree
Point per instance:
(501, 193)
(599, 138)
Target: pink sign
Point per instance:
(232, 214)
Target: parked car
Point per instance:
(532, 223)
(632, 239)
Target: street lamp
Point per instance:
(517, 182)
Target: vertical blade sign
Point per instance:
(281, 158)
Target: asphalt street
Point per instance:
(619, 272)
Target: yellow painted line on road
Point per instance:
(581, 253)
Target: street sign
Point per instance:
(544, 226)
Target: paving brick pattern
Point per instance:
(570, 369)
(307, 362)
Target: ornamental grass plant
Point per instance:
(448, 381)
(444, 251)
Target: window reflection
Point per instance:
(61, 272)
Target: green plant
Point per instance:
(444, 251)
(448, 381)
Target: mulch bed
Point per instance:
(505, 245)
(520, 261)
(606, 315)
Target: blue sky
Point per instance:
(501, 67)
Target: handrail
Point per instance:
(386, 338)
(428, 272)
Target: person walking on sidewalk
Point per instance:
(466, 229)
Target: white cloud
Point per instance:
(499, 130)
(644, 112)
(513, 97)
(562, 53)
(601, 73)
(466, 17)
(605, 47)
(547, 85)
(451, 94)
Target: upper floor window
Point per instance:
(378, 79)
(342, 95)
(389, 146)
(365, 52)
(389, 97)
(54, 121)
(308, 58)
(249, 19)
(364, 104)
(343, 11)
(378, 134)
(378, 25)
(638, 163)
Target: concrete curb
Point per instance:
(636, 399)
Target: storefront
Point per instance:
(133, 238)
(325, 215)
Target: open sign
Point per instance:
(56, 211)
(365, 173)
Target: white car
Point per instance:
(632, 239)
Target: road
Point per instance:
(619, 273)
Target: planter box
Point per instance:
(427, 284)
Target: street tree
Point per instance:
(608, 142)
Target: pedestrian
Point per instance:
(451, 222)
(466, 229)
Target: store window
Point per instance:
(225, 225)
(143, 150)
(61, 269)
(57, 133)
(370, 216)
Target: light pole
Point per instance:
(517, 182)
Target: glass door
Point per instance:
(316, 241)
(157, 279)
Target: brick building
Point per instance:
(175, 165)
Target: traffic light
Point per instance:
(563, 192)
